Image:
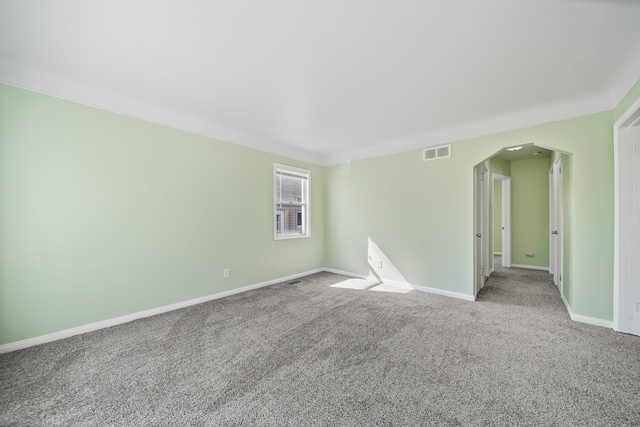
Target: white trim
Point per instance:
(348, 273)
(591, 103)
(444, 293)
(54, 336)
(404, 285)
(169, 117)
(628, 75)
(397, 284)
(530, 267)
(625, 325)
(586, 319)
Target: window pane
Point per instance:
(288, 189)
(291, 207)
(290, 219)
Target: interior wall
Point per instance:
(103, 215)
(530, 212)
(420, 214)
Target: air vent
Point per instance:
(436, 152)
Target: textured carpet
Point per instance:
(309, 353)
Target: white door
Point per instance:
(482, 251)
(635, 261)
(557, 233)
(552, 221)
(626, 301)
(555, 222)
(487, 250)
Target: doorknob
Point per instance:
(478, 235)
(554, 232)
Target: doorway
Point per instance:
(626, 277)
(528, 177)
(555, 222)
(502, 216)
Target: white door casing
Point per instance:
(555, 223)
(552, 222)
(626, 277)
(482, 250)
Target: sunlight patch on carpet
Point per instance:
(360, 284)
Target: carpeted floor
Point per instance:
(310, 353)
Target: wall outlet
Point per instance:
(379, 263)
(225, 273)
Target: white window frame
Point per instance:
(306, 204)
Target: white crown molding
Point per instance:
(32, 80)
(575, 107)
(627, 76)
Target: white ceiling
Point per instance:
(331, 80)
(527, 151)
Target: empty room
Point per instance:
(319, 213)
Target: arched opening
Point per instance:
(518, 201)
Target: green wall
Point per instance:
(420, 214)
(530, 212)
(103, 215)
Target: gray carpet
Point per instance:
(308, 353)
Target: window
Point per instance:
(291, 202)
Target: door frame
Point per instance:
(506, 216)
(482, 252)
(556, 225)
(624, 267)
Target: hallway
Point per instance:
(523, 287)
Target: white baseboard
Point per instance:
(42, 339)
(530, 267)
(586, 319)
(444, 292)
(404, 285)
(350, 274)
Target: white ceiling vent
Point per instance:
(436, 152)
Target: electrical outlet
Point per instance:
(379, 263)
(225, 273)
